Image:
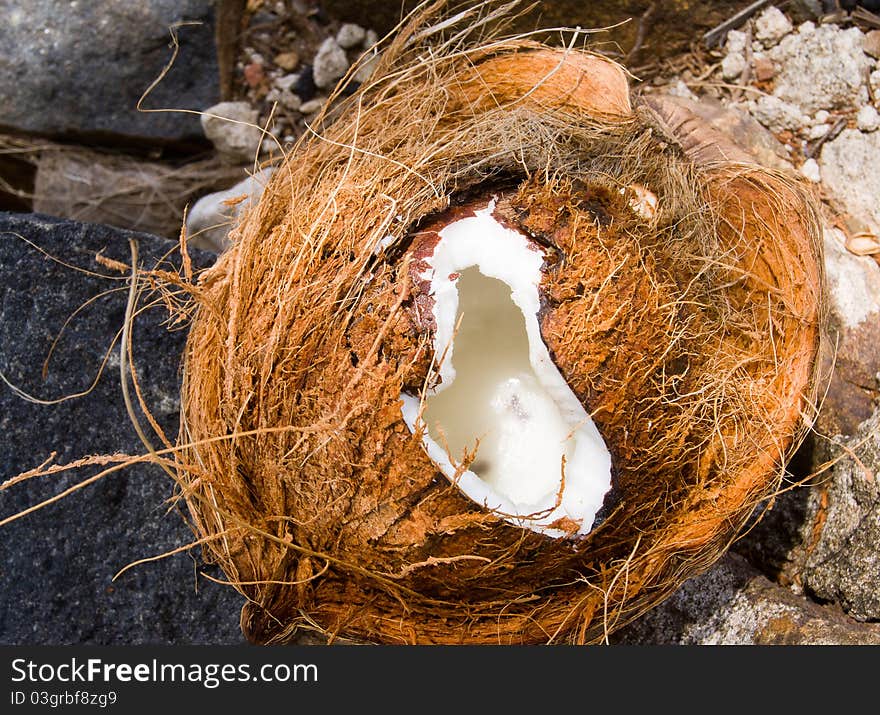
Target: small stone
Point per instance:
(874, 79)
(771, 26)
(350, 35)
(817, 131)
(764, 69)
(732, 65)
(330, 63)
(254, 74)
(287, 60)
(680, 89)
(210, 218)
(821, 117)
(290, 100)
(868, 120)
(238, 139)
(775, 114)
(371, 39)
(736, 42)
(871, 44)
(286, 82)
(810, 171)
(312, 105)
(304, 87)
(806, 28)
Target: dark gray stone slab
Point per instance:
(57, 565)
(79, 68)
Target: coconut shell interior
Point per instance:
(691, 338)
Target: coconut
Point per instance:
(503, 355)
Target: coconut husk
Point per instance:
(690, 336)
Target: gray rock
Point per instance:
(350, 35)
(843, 563)
(810, 171)
(80, 68)
(849, 356)
(232, 128)
(330, 64)
(736, 42)
(850, 172)
(732, 65)
(822, 69)
(776, 114)
(771, 26)
(211, 217)
(733, 604)
(57, 564)
(867, 119)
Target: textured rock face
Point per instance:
(850, 170)
(57, 565)
(732, 604)
(80, 68)
(843, 561)
(850, 353)
(821, 68)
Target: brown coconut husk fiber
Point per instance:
(690, 337)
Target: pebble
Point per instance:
(777, 115)
(238, 139)
(350, 35)
(736, 41)
(304, 87)
(290, 101)
(371, 39)
(771, 26)
(312, 105)
(210, 218)
(764, 69)
(330, 63)
(818, 131)
(868, 120)
(287, 60)
(254, 74)
(732, 65)
(680, 89)
(286, 82)
(810, 171)
(821, 117)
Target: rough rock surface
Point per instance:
(821, 68)
(771, 26)
(843, 563)
(823, 539)
(850, 355)
(80, 68)
(850, 171)
(733, 604)
(57, 564)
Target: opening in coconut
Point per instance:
(501, 422)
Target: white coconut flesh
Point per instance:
(538, 459)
